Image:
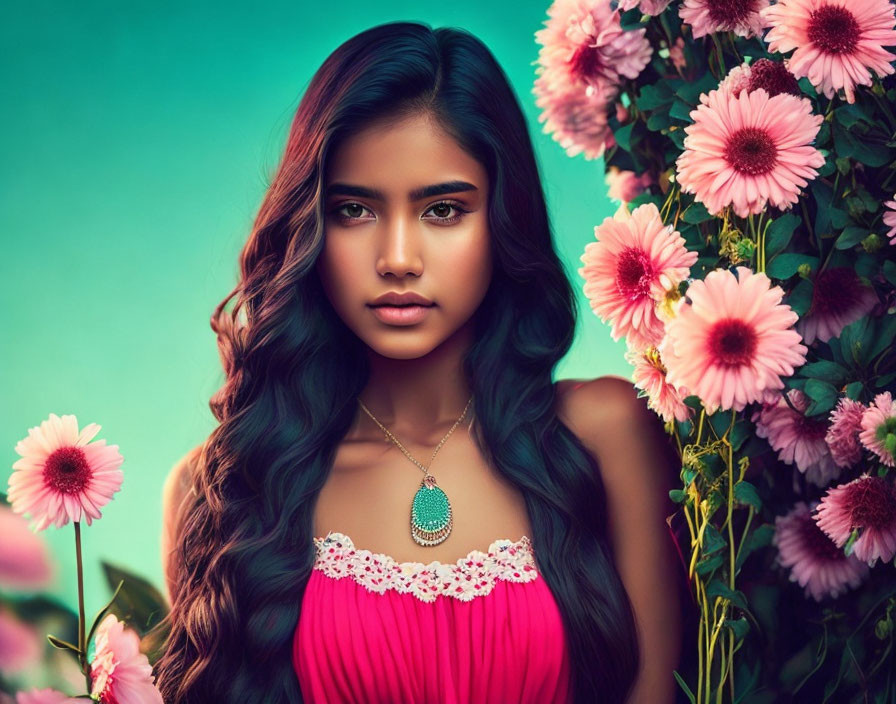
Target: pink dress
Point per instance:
(376, 631)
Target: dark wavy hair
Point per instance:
(294, 372)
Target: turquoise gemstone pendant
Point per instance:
(431, 519)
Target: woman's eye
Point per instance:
(442, 211)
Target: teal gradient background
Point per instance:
(138, 139)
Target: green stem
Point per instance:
(82, 646)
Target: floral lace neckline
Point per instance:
(473, 575)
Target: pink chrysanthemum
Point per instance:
(119, 671)
(24, 557)
(577, 121)
(20, 644)
(46, 696)
(648, 7)
(710, 16)
(61, 475)
(838, 298)
(837, 43)
(815, 562)
(649, 375)
(772, 76)
(867, 504)
(878, 432)
(624, 185)
(797, 438)
(676, 54)
(749, 150)
(889, 218)
(583, 43)
(635, 261)
(842, 436)
(730, 342)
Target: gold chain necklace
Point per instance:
(431, 517)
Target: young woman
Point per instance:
(399, 504)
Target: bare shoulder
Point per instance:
(177, 487)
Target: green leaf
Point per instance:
(690, 92)
(654, 96)
(62, 644)
(889, 271)
(745, 493)
(138, 599)
(825, 371)
(684, 686)
(854, 390)
(708, 564)
(677, 495)
(850, 237)
(712, 540)
(856, 340)
(658, 120)
(800, 298)
(677, 137)
(863, 151)
(823, 395)
(785, 265)
(822, 194)
(696, 213)
(885, 333)
(623, 136)
(779, 233)
(739, 626)
(681, 110)
(758, 538)
(718, 588)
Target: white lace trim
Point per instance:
(469, 577)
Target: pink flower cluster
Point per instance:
(584, 57)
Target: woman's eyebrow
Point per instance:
(438, 189)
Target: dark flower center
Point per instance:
(633, 273)
(811, 427)
(729, 14)
(815, 540)
(773, 77)
(834, 29)
(751, 151)
(871, 503)
(67, 470)
(732, 343)
(835, 291)
(588, 63)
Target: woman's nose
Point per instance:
(399, 248)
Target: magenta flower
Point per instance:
(797, 438)
(61, 475)
(711, 16)
(730, 341)
(635, 262)
(867, 504)
(119, 671)
(749, 151)
(842, 436)
(815, 562)
(625, 186)
(836, 44)
(772, 76)
(24, 558)
(878, 432)
(838, 298)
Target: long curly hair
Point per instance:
(294, 372)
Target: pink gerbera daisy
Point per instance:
(648, 7)
(624, 185)
(797, 438)
(889, 218)
(838, 43)
(772, 76)
(867, 504)
(730, 342)
(119, 671)
(878, 432)
(577, 121)
(748, 151)
(61, 475)
(583, 43)
(20, 644)
(815, 562)
(843, 434)
(838, 298)
(635, 261)
(710, 16)
(649, 375)
(24, 557)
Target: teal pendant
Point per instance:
(431, 520)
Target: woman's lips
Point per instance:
(400, 315)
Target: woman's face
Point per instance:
(405, 212)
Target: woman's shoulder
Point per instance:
(589, 406)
